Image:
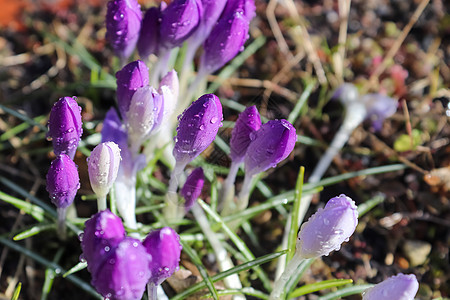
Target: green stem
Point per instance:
(279, 287)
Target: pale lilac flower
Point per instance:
(398, 287)
(123, 23)
(165, 248)
(248, 122)
(63, 181)
(379, 107)
(192, 188)
(328, 228)
(65, 126)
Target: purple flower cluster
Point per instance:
(121, 266)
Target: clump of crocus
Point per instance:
(165, 249)
(65, 126)
(102, 233)
(398, 287)
(123, 23)
(124, 273)
(324, 232)
(272, 143)
(103, 165)
(63, 183)
(131, 77)
(192, 188)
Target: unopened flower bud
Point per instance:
(248, 122)
(398, 287)
(149, 36)
(197, 128)
(272, 143)
(129, 79)
(65, 126)
(328, 228)
(63, 181)
(103, 165)
(247, 6)
(192, 188)
(165, 248)
(123, 22)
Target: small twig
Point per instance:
(344, 9)
(270, 13)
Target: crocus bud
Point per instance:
(113, 130)
(165, 248)
(145, 113)
(123, 22)
(248, 122)
(179, 20)
(124, 273)
(64, 126)
(198, 127)
(379, 107)
(272, 143)
(398, 287)
(247, 6)
(103, 165)
(224, 42)
(102, 233)
(328, 228)
(192, 188)
(149, 35)
(171, 81)
(346, 93)
(129, 79)
(63, 181)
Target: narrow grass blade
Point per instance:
(243, 267)
(293, 116)
(318, 286)
(23, 117)
(57, 268)
(367, 206)
(347, 291)
(17, 291)
(244, 291)
(31, 209)
(238, 243)
(33, 231)
(198, 263)
(292, 237)
(19, 128)
(78, 267)
(304, 266)
(50, 275)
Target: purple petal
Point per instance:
(63, 181)
(65, 126)
(165, 248)
(398, 287)
(125, 273)
(225, 41)
(129, 79)
(149, 35)
(272, 143)
(198, 127)
(192, 188)
(123, 23)
(102, 233)
(379, 107)
(248, 121)
(113, 130)
(179, 21)
(328, 228)
(248, 6)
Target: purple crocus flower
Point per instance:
(102, 233)
(248, 122)
(165, 248)
(225, 41)
(124, 273)
(145, 113)
(149, 37)
(103, 165)
(63, 181)
(398, 287)
(272, 143)
(379, 107)
(193, 188)
(247, 6)
(133, 76)
(123, 23)
(198, 127)
(179, 21)
(328, 228)
(65, 126)
(113, 130)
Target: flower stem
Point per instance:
(227, 192)
(61, 211)
(244, 194)
(279, 287)
(101, 203)
(152, 291)
(171, 210)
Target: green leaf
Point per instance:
(50, 275)
(33, 231)
(292, 238)
(244, 291)
(318, 286)
(302, 268)
(78, 267)
(17, 291)
(405, 143)
(365, 207)
(347, 291)
(243, 267)
(31, 209)
(301, 102)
